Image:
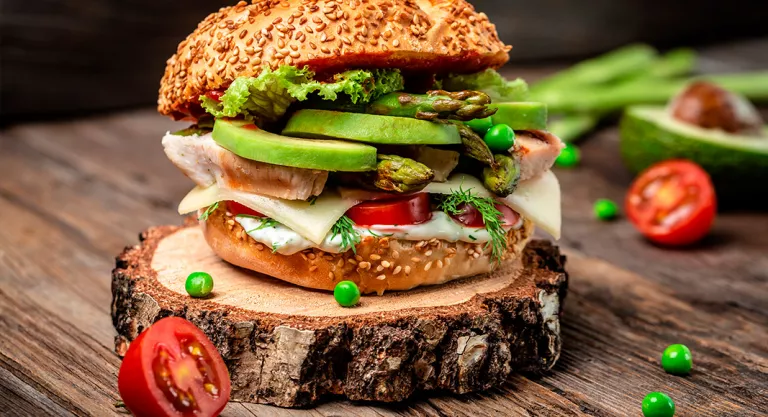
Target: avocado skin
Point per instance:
(740, 176)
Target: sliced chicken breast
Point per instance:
(538, 150)
(205, 163)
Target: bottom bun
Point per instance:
(379, 264)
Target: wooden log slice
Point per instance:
(289, 346)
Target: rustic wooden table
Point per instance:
(74, 193)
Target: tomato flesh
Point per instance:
(215, 95)
(236, 208)
(173, 370)
(672, 203)
(412, 209)
(471, 217)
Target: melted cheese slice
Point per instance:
(313, 221)
(537, 199)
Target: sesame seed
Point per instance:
(375, 257)
(395, 254)
(476, 255)
(379, 268)
(385, 264)
(407, 270)
(397, 270)
(340, 263)
(364, 265)
(231, 222)
(439, 263)
(428, 253)
(359, 258)
(259, 246)
(428, 266)
(312, 268)
(330, 275)
(303, 256)
(396, 43)
(447, 261)
(415, 260)
(381, 277)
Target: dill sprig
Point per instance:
(379, 235)
(451, 204)
(265, 222)
(345, 228)
(209, 211)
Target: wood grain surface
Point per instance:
(73, 193)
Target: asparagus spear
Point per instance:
(502, 178)
(611, 98)
(474, 146)
(401, 175)
(621, 63)
(675, 63)
(572, 126)
(458, 105)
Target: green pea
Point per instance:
(199, 284)
(346, 294)
(480, 126)
(657, 404)
(569, 157)
(606, 209)
(499, 138)
(676, 360)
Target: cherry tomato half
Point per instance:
(471, 217)
(411, 209)
(672, 203)
(173, 370)
(236, 208)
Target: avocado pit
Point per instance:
(710, 106)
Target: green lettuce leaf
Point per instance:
(489, 82)
(266, 98)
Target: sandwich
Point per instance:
(369, 141)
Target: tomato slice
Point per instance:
(471, 217)
(672, 203)
(173, 370)
(412, 209)
(215, 95)
(236, 208)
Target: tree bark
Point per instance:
(294, 360)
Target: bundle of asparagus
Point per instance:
(637, 74)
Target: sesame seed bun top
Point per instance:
(417, 36)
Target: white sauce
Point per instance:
(287, 242)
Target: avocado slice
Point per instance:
(250, 142)
(371, 128)
(520, 115)
(737, 164)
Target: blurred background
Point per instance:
(63, 57)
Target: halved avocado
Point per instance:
(250, 142)
(737, 164)
(371, 128)
(521, 115)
